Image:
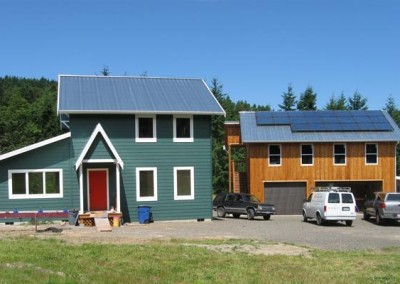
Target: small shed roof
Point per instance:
(123, 95)
(256, 130)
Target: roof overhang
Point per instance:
(35, 146)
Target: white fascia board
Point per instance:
(98, 129)
(212, 95)
(138, 112)
(35, 146)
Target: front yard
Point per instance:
(31, 259)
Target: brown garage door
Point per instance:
(288, 197)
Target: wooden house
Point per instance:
(289, 153)
(129, 141)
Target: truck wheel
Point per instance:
(365, 216)
(250, 214)
(267, 217)
(320, 221)
(221, 212)
(349, 223)
(305, 219)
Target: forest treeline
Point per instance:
(28, 114)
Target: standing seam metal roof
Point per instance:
(253, 133)
(107, 94)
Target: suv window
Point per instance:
(220, 197)
(231, 197)
(333, 198)
(347, 198)
(393, 197)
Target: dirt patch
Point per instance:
(258, 249)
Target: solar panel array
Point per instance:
(326, 121)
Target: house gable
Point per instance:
(98, 130)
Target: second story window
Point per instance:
(307, 154)
(339, 154)
(145, 129)
(274, 152)
(183, 129)
(371, 154)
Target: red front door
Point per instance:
(97, 190)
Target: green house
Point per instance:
(129, 141)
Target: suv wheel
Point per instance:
(320, 221)
(221, 212)
(365, 216)
(305, 219)
(250, 214)
(267, 217)
(379, 220)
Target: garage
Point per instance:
(288, 197)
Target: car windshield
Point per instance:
(250, 198)
(393, 197)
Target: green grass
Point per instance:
(34, 260)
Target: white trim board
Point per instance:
(35, 146)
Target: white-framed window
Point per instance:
(183, 183)
(307, 154)
(183, 128)
(38, 183)
(274, 155)
(339, 154)
(146, 184)
(145, 128)
(371, 154)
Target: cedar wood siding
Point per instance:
(323, 168)
(53, 156)
(163, 154)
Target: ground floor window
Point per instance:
(146, 184)
(183, 183)
(35, 183)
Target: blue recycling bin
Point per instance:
(144, 214)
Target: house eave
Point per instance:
(35, 146)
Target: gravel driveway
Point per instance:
(281, 229)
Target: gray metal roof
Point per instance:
(253, 133)
(108, 94)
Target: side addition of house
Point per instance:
(129, 141)
(289, 153)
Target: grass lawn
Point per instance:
(34, 260)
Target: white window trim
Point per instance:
(35, 196)
(312, 155)
(377, 154)
(177, 139)
(183, 197)
(275, 155)
(147, 198)
(345, 154)
(137, 138)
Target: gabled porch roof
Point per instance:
(98, 129)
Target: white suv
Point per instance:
(330, 204)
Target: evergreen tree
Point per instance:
(219, 154)
(357, 102)
(394, 112)
(336, 104)
(308, 100)
(105, 71)
(289, 100)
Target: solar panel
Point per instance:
(326, 121)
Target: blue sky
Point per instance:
(255, 48)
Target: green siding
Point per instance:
(164, 155)
(54, 156)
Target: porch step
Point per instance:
(102, 224)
